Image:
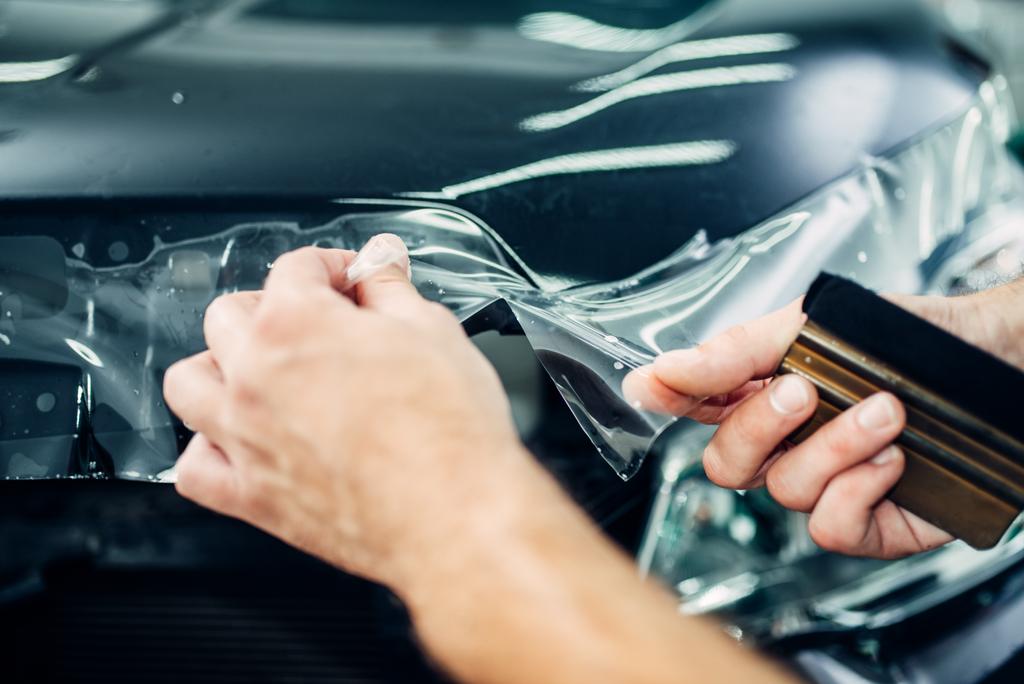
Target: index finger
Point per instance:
(310, 267)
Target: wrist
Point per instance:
(544, 596)
(518, 590)
(993, 320)
(487, 519)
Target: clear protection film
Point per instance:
(943, 215)
(83, 348)
(84, 343)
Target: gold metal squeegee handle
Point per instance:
(961, 474)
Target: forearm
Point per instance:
(541, 596)
(994, 321)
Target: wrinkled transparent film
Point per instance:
(83, 346)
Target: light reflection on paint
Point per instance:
(659, 85)
(493, 268)
(564, 28)
(445, 220)
(689, 51)
(26, 72)
(619, 159)
(87, 354)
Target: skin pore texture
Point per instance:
(357, 422)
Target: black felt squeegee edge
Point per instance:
(976, 381)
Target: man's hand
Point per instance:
(309, 409)
(841, 474)
(369, 431)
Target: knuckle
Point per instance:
(439, 315)
(215, 309)
(296, 255)
(737, 341)
(255, 497)
(249, 495)
(242, 394)
(173, 380)
(721, 352)
(840, 438)
(736, 335)
(847, 487)
(274, 319)
(186, 482)
(747, 428)
(826, 535)
(711, 348)
(718, 470)
(184, 486)
(781, 488)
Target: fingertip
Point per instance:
(889, 457)
(901, 411)
(391, 240)
(792, 395)
(385, 254)
(880, 414)
(844, 519)
(379, 278)
(634, 387)
(644, 391)
(795, 309)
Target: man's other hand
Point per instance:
(840, 475)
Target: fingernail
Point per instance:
(380, 252)
(877, 413)
(886, 455)
(787, 395)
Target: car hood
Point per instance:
(594, 138)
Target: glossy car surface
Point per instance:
(317, 100)
(594, 137)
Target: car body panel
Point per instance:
(318, 100)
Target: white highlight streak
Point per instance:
(689, 51)
(25, 72)
(674, 154)
(564, 28)
(658, 85)
(88, 355)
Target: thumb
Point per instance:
(727, 362)
(380, 275)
